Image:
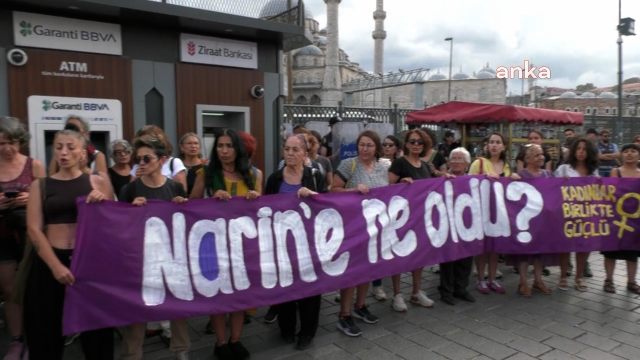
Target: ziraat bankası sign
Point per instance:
(52, 32)
(217, 51)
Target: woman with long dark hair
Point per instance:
(229, 173)
(494, 164)
(49, 274)
(582, 160)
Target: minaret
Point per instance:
(332, 84)
(379, 35)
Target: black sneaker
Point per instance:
(587, 270)
(364, 314)
(223, 352)
(240, 352)
(247, 319)
(448, 299)
(465, 296)
(348, 326)
(546, 271)
(303, 342)
(272, 315)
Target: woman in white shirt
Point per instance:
(173, 168)
(582, 161)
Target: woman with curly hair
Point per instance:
(581, 161)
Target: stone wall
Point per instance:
(490, 91)
(586, 106)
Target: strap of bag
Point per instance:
(171, 165)
(353, 169)
(481, 165)
(315, 183)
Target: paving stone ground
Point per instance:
(590, 325)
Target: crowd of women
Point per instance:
(38, 222)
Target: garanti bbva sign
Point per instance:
(52, 32)
(216, 51)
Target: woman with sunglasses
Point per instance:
(406, 169)
(120, 172)
(391, 148)
(581, 161)
(360, 174)
(151, 154)
(493, 164)
(228, 174)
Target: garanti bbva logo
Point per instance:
(25, 29)
(46, 105)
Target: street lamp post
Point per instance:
(450, 64)
(626, 27)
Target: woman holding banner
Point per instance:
(534, 160)
(494, 164)
(303, 181)
(581, 161)
(406, 169)
(360, 174)
(229, 173)
(629, 169)
(51, 224)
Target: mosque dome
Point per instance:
(488, 69)
(323, 31)
(588, 95)
(460, 76)
(608, 95)
(277, 7)
(310, 50)
(322, 40)
(568, 95)
(438, 76)
(485, 74)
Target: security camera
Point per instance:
(17, 57)
(257, 91)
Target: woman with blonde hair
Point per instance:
(190, 154)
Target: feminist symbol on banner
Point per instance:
(625, 215)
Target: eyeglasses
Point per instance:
(366, 145)
(416, 142)
(388, 144)
(143, 160)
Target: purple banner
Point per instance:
(166, 261)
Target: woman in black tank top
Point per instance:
(49, 273)
(629, 169)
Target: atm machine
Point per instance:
(48, 114)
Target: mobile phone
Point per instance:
(11, 194)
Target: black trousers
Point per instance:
(43, 306)
(454, 276)
(309, 309)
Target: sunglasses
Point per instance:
(388, 144)
(143, 160)
(416, 142)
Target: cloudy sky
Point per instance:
(576, 39)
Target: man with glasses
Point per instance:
(607, 153)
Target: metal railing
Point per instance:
(272, 10)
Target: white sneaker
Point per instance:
(398, 303)
(435, 269)
(422, 299)
(379, 294)
(498, 274)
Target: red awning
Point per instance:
(470, 112)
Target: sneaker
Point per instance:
(272, 315)
(303, 342)
(16, 348)
(422, 299)
(379, 294)
(398, 303)
(70, 339)
(223, 352)
(247, 319)
(364, 314)
(337, 299)
(239, 351)
(495, 286)
(546, 271)
(348, 326)
(587, 271)
(435, 269)
(182, 355)
(498, 274)
(483, 288)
